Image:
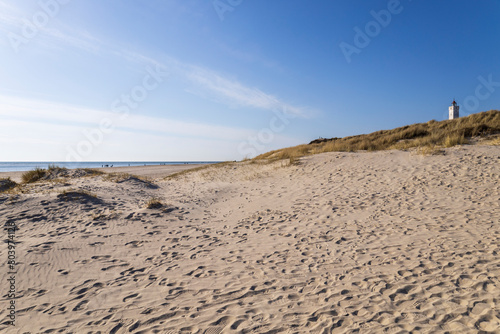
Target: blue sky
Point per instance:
(212, 80)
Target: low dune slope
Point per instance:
(342, 242)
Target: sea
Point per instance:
(25, 166)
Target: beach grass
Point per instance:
(90, 171)
(76, 195)
(154, 203)
(446, 133)
(38, 173)
(7, 184)
(118, 177)
(430, 150)
(33, 175)
(196, 169)
(54, 169)
(122, 177)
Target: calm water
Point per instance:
(24, 166)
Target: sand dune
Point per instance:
(386, 242)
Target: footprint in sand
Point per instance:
(80, 305)
(132, 296)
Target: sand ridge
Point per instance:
(343, 242)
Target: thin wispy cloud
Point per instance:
(38, 111)
(77, 39)
(234, 93)
(203, 82)
(59, 125)
(253, 56)
(14, 24)
(10, 17)
(49, 127)
(212, 85)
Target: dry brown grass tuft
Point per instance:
(33, 175)
(89, 172)
(78, 191)
(125, 177)
(455, 139)
(431, 134)
(494, 141)
(53, 169)
(78, 195)
(154, 203)
(38, 174)
(117, 177)
(196, 169)
(293, 161)
(7, 184)
(430, 150)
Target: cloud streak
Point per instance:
(37, 111)
(47, 127)
(212, 85)
(232, 92)
(202, 81)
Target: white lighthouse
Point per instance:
(453, 110)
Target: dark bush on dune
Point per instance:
(79, 195)
(6, 184)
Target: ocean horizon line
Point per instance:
(22, 166)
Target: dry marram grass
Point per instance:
(33, 175)
(117, 177)
(7, 184)
(76, 194)
(90, 171)
(154, 203)
(431, 134)
(430, 150)
(197, 169)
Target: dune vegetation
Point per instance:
(428, 137)
(196, 169)
(154, 203)
(6, 184)
(54, 172)
(33, 175)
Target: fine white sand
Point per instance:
(385, 242)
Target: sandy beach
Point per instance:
(382, 242)
(155, 171)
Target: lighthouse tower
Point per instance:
(454, 110)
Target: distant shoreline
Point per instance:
(23, 166)
(153, 171)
